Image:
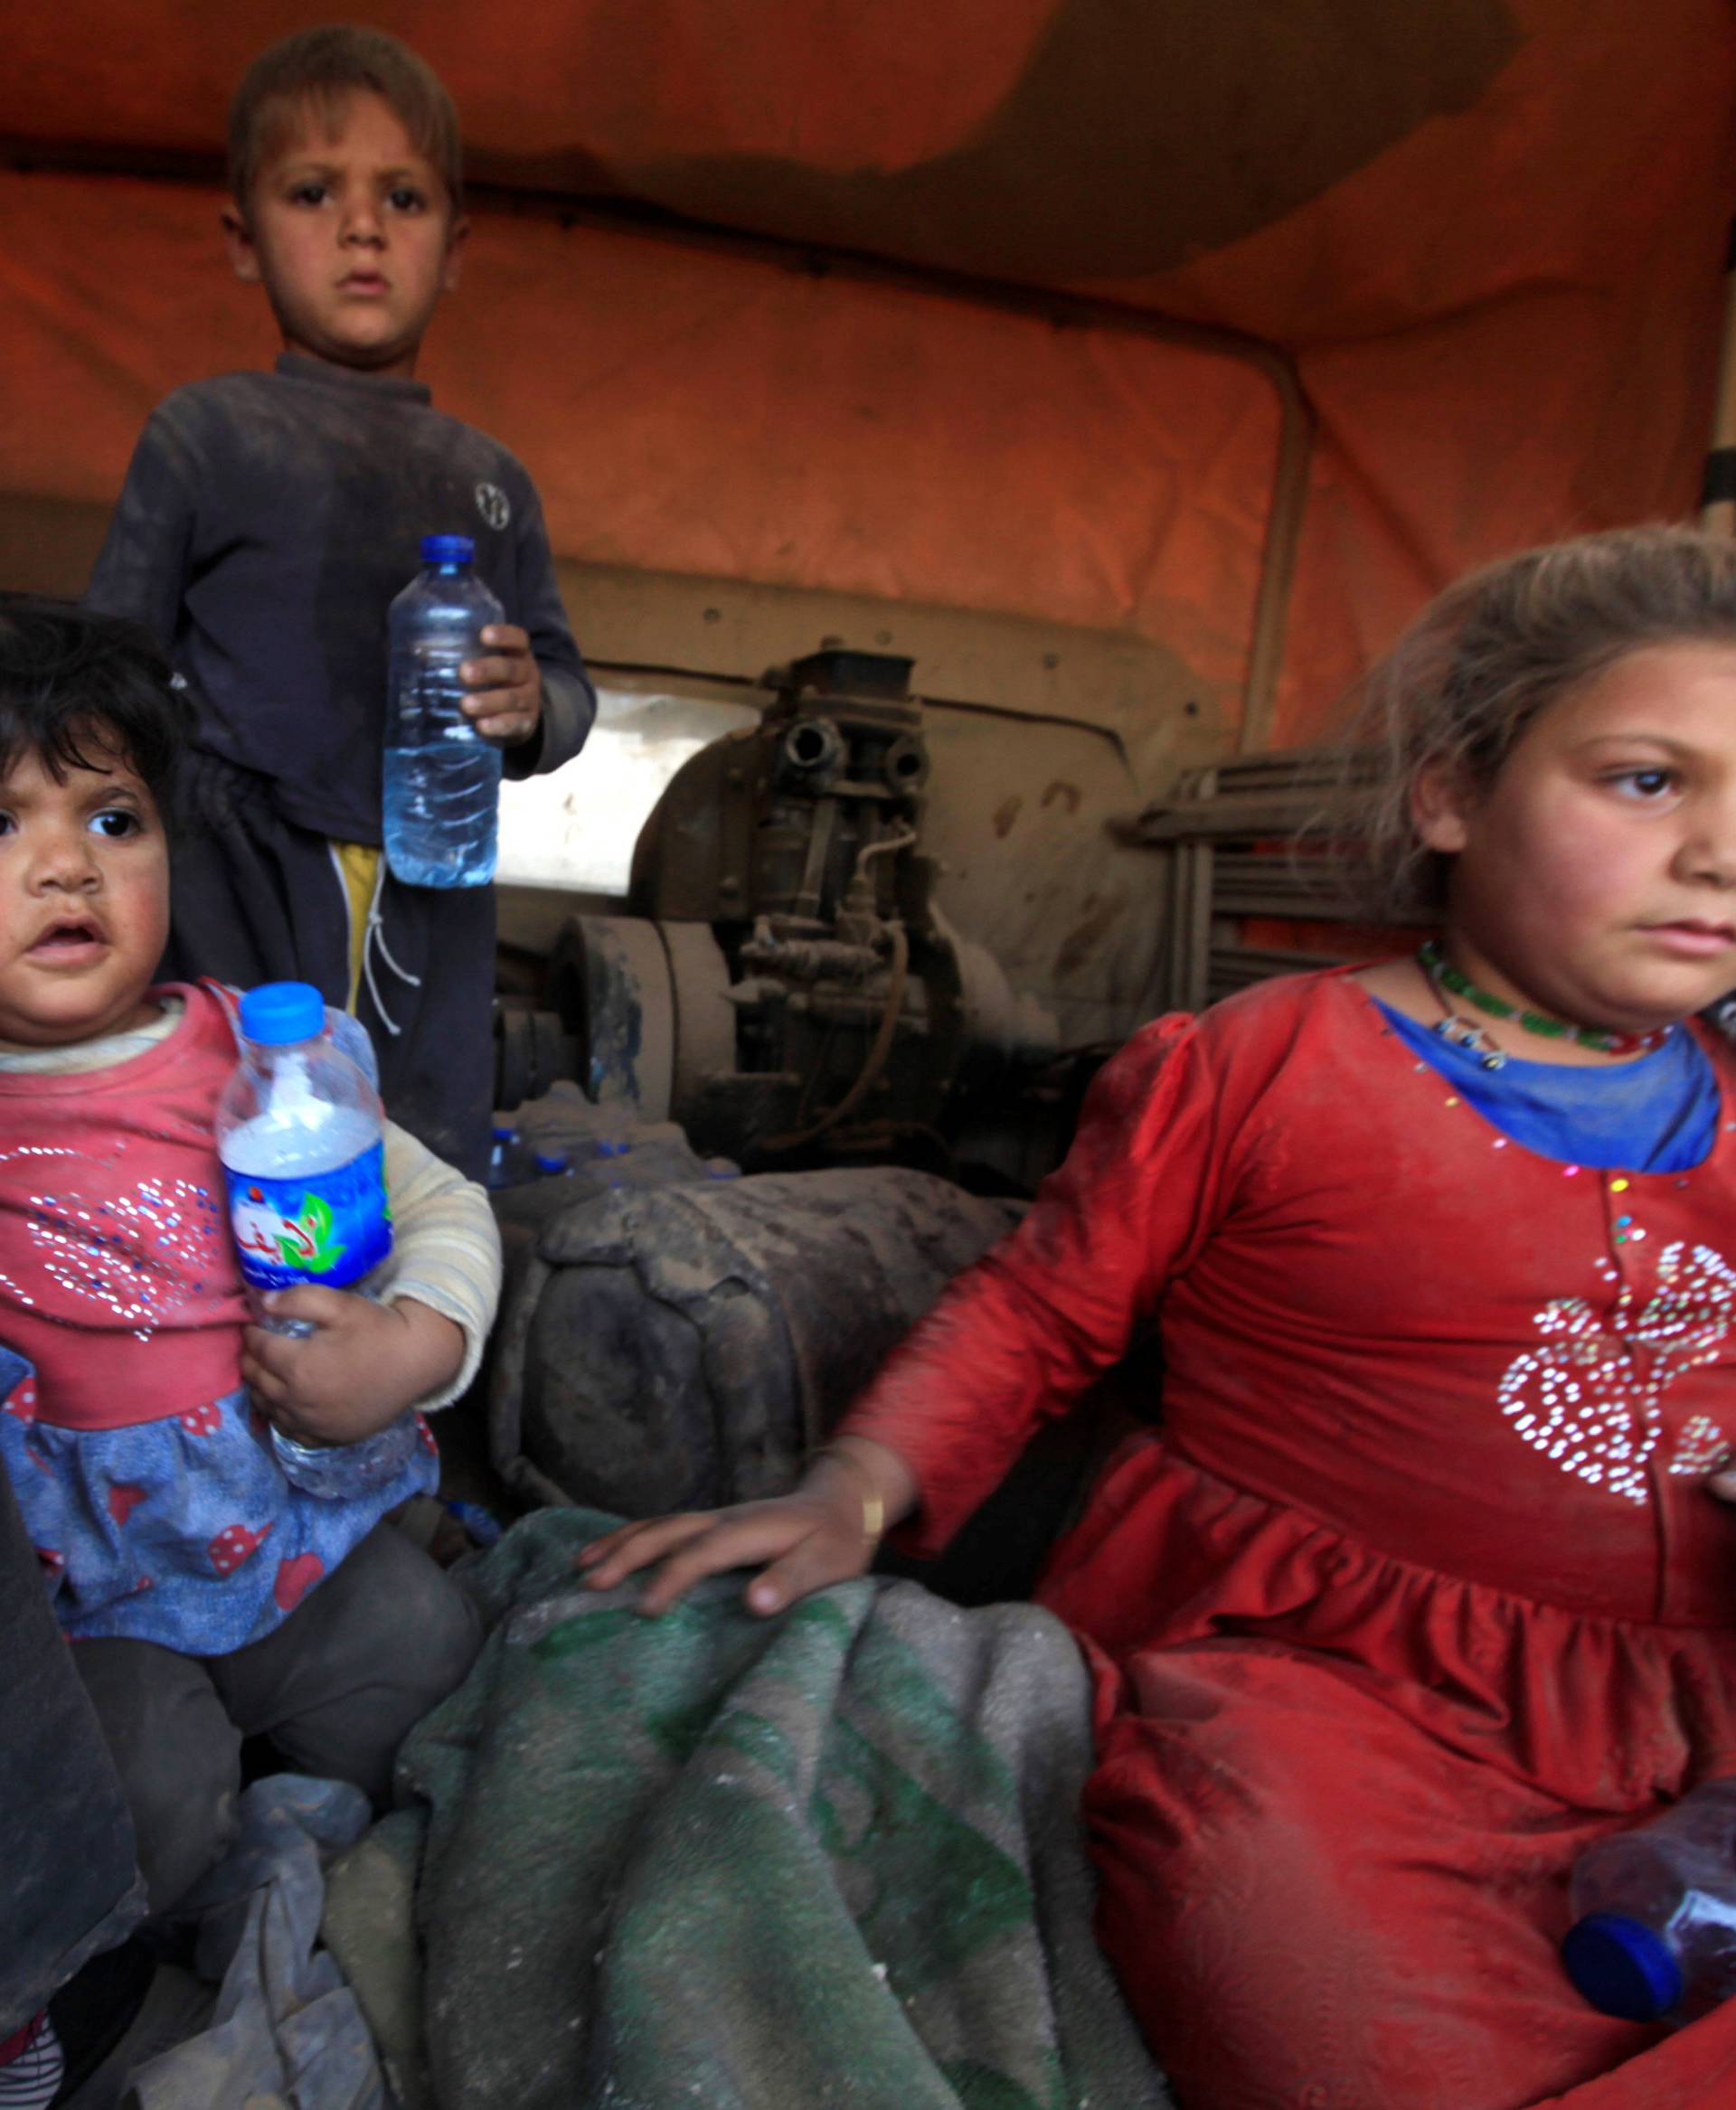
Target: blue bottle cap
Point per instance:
(506, 1134)
(276, 1013)
(483, 1528)
(1623, 1967)
(448, 550)
(549, 1162)
(607, 1146)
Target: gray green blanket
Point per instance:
(831, 1859)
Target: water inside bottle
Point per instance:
(441, 804)
(337, 1472)
(441, 789)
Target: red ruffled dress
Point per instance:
(1417, 1591)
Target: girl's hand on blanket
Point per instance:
(825, 1531)
(363, 1364)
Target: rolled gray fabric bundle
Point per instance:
(685, 1346)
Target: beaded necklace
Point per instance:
(1445, 977)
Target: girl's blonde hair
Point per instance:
(1461, 686)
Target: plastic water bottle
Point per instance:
(299, 1131)
(482, 1526)
(658, 1163)
(1653, 1930)
(442, 779)
(505, 1161)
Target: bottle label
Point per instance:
(328, 1229)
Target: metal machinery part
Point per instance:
(787, 981)
(532, 1050)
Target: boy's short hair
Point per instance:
(322, 66)
(78, 690)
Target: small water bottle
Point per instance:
(442, 793)
(1654, 1932)
(505, 1161)
(299, 1131)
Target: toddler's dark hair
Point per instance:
(80, 690)
(322, 66)
(1461, 686)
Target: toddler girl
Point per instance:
(208, 1598)
(1419, 1589)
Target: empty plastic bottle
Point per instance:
(442, 779)
(482, 1526)
(505, 1161)
(299, 1131)
(598, 1164)
(1653, 1930)
(657, 1164)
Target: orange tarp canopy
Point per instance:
(1489, 234)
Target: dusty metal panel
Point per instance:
(1021, 816)
(1165, 717)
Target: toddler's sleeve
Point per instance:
(1017, 1337)
(446, 1249)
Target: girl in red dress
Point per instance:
(1422, 1586)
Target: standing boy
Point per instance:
(268, 521)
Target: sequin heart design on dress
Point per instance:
(1591, 1399)
(131, 1252)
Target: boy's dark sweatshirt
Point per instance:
(267, 522)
